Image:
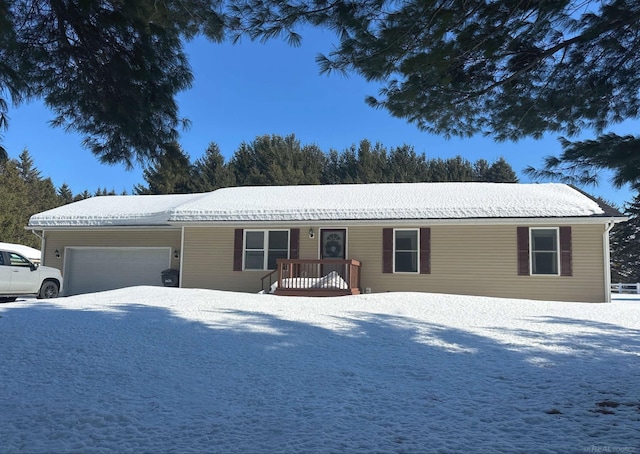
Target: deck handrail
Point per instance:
(271, 280)
(315, 276)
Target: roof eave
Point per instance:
(399, 222)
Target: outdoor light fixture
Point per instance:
(311, 235)
(176, 254)
(57, 254)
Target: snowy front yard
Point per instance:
(153, 369)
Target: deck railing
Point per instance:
(316, 277)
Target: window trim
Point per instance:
(265, 247)
(417, 250)
(557, 252)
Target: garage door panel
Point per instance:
(98, 269)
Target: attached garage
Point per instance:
(89, 270)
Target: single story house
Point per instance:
(536, 241)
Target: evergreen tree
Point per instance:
(481, 170)
(84, 195)
(502, 68)
(625, 246)
(22, 194)
(277, 160)
(210, 172)
(13, 205)
(41, 193)
(65, 194)
(312, 161)
(86, 59)
(437, 170)
(28, 172)
(501, 172)
(459, 169)
(405, 166)
(348, 165)
(247, 168)
(331, 173)
(372, 163)
(171, 173)
(580, 161)
(104, 191)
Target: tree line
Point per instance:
(278, 160)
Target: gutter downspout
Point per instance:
(607, 260)
(42, 245)
(181, 257)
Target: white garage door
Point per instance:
(97, 269)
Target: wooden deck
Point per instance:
(297, 277)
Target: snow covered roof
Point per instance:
(388, 201)
(121, 210)
(26, 251)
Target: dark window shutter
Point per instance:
(566, 260)
(237, 249)
(523, 251)
(425, 250)
(387, 250)
(294, 243)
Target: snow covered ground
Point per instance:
(152, 369)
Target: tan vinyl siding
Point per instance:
(465, 259)
(208, 258)
(482, 260)
(208, 261)
(98, 237)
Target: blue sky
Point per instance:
(249, 89)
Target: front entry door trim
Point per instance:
(333, 244)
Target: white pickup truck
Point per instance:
(21, 277)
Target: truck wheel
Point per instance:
(48, 290)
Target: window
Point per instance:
(405, 254)
(544, 251)
(18, 260)
(263, 247)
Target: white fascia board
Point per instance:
(345, 222)
(49, 228)
(406, 222)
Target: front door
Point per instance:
(333, 247)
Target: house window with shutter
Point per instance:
(263, 247)
(405, 251)
(545, 251)
(545, 257)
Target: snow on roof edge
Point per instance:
(377, 202)
(356, 202)
(127, 210)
